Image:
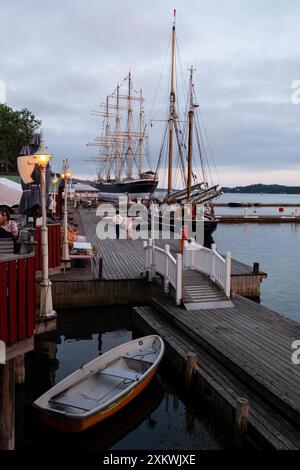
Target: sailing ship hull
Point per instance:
(131, 187)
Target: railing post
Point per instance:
(166, 276)
(178, 278)
(145, 267)
(186, 255)
(150, 260)
(192, 254)
(228, 274)
(213, 261)
(152, 270)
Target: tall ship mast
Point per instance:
(183, 154)
(123, 143)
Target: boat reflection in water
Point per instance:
(107, 433)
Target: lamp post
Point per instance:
(54, 182)
(42, 157)
(66, 175)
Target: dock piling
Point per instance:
(191, 363)
(7, 405)
(241, 422)
(20, 369)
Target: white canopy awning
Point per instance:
(10, 192)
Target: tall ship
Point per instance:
(123, 162)
(184, 158)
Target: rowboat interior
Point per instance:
(100, 386)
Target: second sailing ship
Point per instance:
(123, 144)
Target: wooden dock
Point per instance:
(123, 259)
(216, 383)
(258, 219)
(243, 349)
(118, 275)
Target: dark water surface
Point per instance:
(162, 417)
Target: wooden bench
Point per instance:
(6, 246)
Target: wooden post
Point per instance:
(213, 250)
(166, 277)
(186, 258)
(7, 406)
(20, 369)
(192, 254)
(228, 274)
(145, 258)
(241, 422)
(100, 272)
(178, 279)
(191, 363)
(151, 252)
(153, 265)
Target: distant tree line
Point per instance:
(16, 130)
(263, 188)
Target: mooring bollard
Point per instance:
(191, 363)
(19, 369)
(241, 422)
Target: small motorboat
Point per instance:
(102, 387)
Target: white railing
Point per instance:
(160, 261)
(210, 262)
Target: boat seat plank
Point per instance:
(79, 402)
(121, 373)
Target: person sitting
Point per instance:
(8, 225)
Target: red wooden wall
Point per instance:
(54, 247)
(17, 299)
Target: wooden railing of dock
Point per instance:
(210, 262)
(54, 246)
(17, 298)
(160, 261)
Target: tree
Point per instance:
(16, 129)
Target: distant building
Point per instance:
(85, 191)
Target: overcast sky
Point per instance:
(61, 58)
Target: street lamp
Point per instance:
(42, 157)
(66, 175)
(54, 181)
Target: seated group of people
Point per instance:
(8, 227)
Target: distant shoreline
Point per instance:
(262, 189)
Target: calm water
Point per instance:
(259, 198)
(160, 418)
(275, 246)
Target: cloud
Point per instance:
(61, 59)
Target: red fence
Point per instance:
(54, 247)
(17, 299)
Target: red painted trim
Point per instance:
(31, 292)
(3, 303)
(12, 301)
(21, 288)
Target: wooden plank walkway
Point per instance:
(123, 259)
(200, 293)
(219, 385)
(252, 342)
